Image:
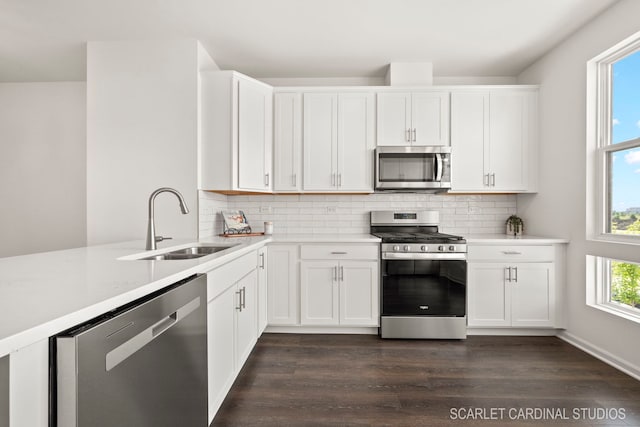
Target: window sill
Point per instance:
(615, 310)
(615, 238)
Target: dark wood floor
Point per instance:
(361, 380)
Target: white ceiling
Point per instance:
(45, 39)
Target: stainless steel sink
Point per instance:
(187, 253)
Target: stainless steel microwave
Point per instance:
(414, 169)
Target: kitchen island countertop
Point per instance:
(43, 294)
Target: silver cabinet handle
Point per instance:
(132, 345)
(262, 261)
(485, 179)
(507, 273)
(515, 278)
(295, 180)
(493, 179)
(414, 134)
(341, 273)
(408, 135)
(334, 273)
(512, 253)
(244, 297)
(339, 253)
(339, 180)
(239, 307)
(333, 179)
(266, 179)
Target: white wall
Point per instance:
(559, 207)
(42, 167)
(142, 103)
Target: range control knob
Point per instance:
(396, 248)
(441, 248)
(406, 248)
(423, 248)
(452, 248)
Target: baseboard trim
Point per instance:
(599, 353)
(515, 332)
(321, 330)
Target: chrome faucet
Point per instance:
(152, 239)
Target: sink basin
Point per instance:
(187, 253)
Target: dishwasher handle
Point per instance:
(137, 342)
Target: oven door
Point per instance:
(412, 168)
(424, 288)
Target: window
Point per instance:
(613, 180)
(617, 287)
(618, 146)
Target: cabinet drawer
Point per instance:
(219, 279)
(509, 253)
(345, 251)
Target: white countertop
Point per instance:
(503, 239)
(46, 293)
(324, 238)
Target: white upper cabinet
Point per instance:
(287, 161)
(413, 118)
(493, 140)
(236, 133)
(320, 141)
(338, 142)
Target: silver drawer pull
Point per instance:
(512, 253)
(339, 253)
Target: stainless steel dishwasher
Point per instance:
(144, 364)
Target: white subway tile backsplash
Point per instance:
(322, 214)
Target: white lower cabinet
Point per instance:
(339, 291)
(28, 384)
(520, 294)
(232, 325)
(282, 285)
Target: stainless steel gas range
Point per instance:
(423, 276)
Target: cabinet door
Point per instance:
(221, 313)
(489, 296)
(394, 118)
(246, 317)
(359, 293)
(533, 295)
(320, 141)
(319, 293)
(288, 141)
(508, 138)
(262, 290)
(282, 285)
(355, 142)
(253, 123)
(469, 140)
(430, 118)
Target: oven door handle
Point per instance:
(420, 256)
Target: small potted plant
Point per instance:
(515, 225)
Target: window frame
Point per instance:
(599, 296)
(603, 247)
(599, 75)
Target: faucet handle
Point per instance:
(161, 238)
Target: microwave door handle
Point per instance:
(438, 167)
